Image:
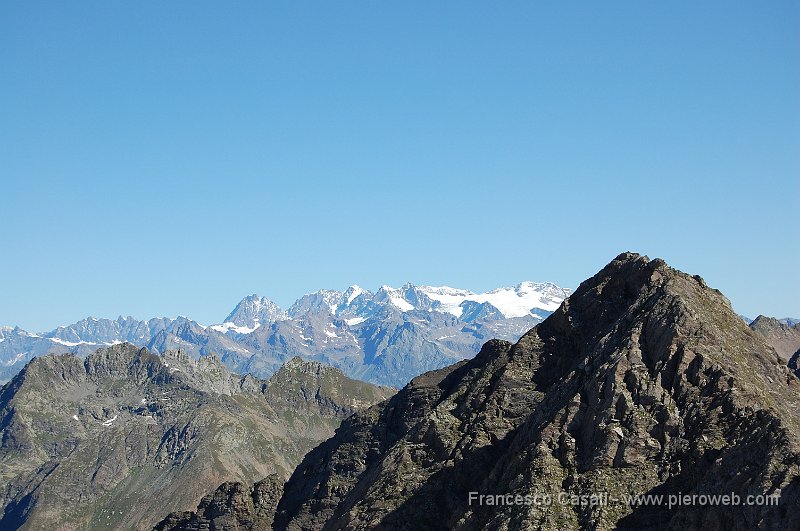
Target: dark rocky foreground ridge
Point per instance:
(643, 382)
(124, 437)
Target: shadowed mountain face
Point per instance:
(643, 382)
(124, 437)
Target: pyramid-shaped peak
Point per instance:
(254, 311)
(643, 382)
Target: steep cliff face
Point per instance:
(123, 438)
(643, 382)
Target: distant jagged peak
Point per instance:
(352, 292)
(765, 322)
(19, 334)
(321, 301)
(9, 330)
(102, 331)
(472, 311)
(780, 334)
(251, 313)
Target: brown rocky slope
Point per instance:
(784, 338)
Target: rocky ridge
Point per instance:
(779, 334)
(643, 382)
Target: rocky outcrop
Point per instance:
(231, 507)
(643, 382)
(781, 336)
(124, 437)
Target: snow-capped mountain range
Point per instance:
(524, 300)
(386, 337)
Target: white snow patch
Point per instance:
(110, 421)
(354, 321)
(69, 343)
(75, 417)
(512, 302)
(227, 327)
(356, 292)
(401, 303)
(15, 360)
(448, 297)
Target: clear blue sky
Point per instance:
(164, 158)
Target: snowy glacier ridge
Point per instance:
(385, 337)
